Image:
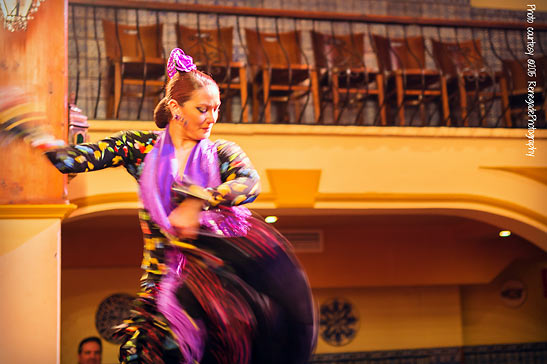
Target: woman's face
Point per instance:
(200, 113)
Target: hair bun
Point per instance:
(162, 114)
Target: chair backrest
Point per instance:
(399, 53)
(340, 51)
(454, 57)
(128, 37)
(206, 46)
(515, 71)
(264, 48)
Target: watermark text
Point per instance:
(532, 83)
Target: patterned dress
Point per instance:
(243, 298)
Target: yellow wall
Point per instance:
(29, 296)
(486, 320)
(82, 292)
(400, 317)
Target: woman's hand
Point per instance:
(185, 218)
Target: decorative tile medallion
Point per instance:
(111, 312)
(339, 321)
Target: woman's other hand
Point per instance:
(185, 218)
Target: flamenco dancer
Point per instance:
(219, 286)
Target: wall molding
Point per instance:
(538, 174)
(35, 211)
(105, 198)
(321, 197)
(113, 126)
(438, 198)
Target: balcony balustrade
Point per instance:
(313, 67)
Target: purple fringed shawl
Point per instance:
(160, 171)
(202, 169)
(157, 178)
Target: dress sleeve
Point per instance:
(240, 181)
(124, 148)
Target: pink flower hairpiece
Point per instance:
(178, 61)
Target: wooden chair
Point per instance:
(278, 72)
(515, 90)
(463, 65)
(343, 74)
(402, 60)
(135, 57)
(212, 53)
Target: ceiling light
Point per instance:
(17, 13)
(270, 219)
(505, 233)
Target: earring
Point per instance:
(177, 117)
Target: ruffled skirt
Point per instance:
(225, 300)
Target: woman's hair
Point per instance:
(180, 88)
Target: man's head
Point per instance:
(90, 351)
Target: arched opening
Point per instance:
(441, 271)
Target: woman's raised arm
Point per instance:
(128, 147)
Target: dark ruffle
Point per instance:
(147, 337)
(248, 293)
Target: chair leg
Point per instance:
(243, 93)
(297, 109)
(381, 98)
(400, 98)
(444, 101)
(315, 95)
(256, 103)
(110, 107)
(117, 88)
(505, 102)
(482, 109)
(266, 95)
(422, 109)
(360, 117)
(110, 99)
(335, 96)
(463, 100)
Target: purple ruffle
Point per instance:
(189, 336)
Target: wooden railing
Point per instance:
(480, 84)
